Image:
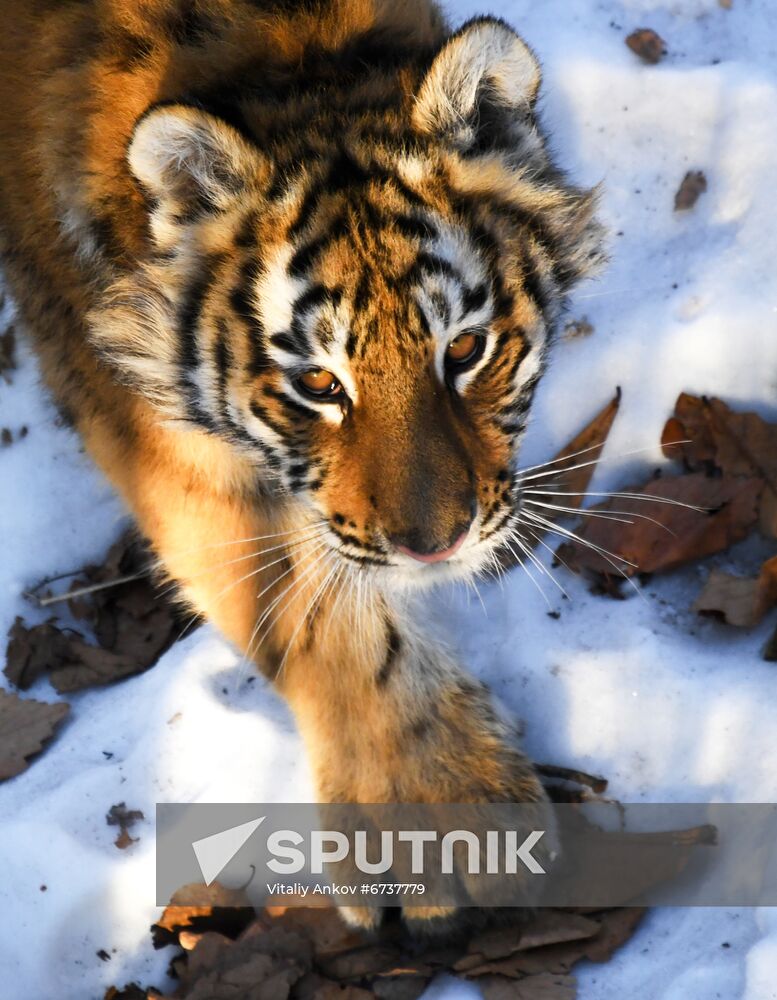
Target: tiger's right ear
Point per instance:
(484, 81)
(192, 163)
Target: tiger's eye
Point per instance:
(463, 348)
(320, 383)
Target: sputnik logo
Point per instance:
(215, 852)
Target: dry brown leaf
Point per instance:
(721, 439)
(692, 187)
(266, 961)
(362, 962)
(399, 987)
(133, 626)
(545, 986)
(739, 600)
(575, 465)
(770, 650)
(129, 992)
(227, 911)
(647, 44)
(767, 522)
(7, 352)
(615, 928)
(663, 536)
(125, 819)
(584, 450)
(25, 726)
(546, 927)
(307, 953)
(71, 662)
(724, 442)
(322, 925)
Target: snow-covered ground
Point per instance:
(670, 708)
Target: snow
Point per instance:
(669, 707)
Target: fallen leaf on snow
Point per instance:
(575, 464)
(125, 819)
(721, 439)
(308, 953)
(25, 726)
(130, 992)
(570, 471)
(695, 516)
(228, 912)
(692, 187)
(647, 44)
(544, 986)
(132, 623)
(578, 328)
(7, 352)
(740, 600)
(730, 459)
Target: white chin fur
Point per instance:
(423, 576)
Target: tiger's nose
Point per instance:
(415, 547)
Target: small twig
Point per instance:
(596, 784)
(92, 588)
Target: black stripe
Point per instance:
(473, 299)
(261, 413)
(241, 300)
(362, 293)
(393, 649)
(533, 283)
(286, 343)
(291, 404)
(305, 256)
(246, 234)
(437, 265)
(414, 228)
(492, 254)
(222, 358)
(191, 310)
(348, 539)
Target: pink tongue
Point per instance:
(434, 557)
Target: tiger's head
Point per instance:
(356, 284)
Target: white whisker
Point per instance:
(522, 477)
(250, 650)
(608, 515)
(608, 556)
(536, 562)
(158, 563)
(310, 609)
(522, 564)
(619, 496)
(285, 546)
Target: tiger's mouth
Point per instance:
(471, 553)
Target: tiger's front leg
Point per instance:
(389, 718)
(385, 716)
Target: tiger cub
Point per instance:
(292, 269)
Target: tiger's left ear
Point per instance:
(192, 163)
(481, 85)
